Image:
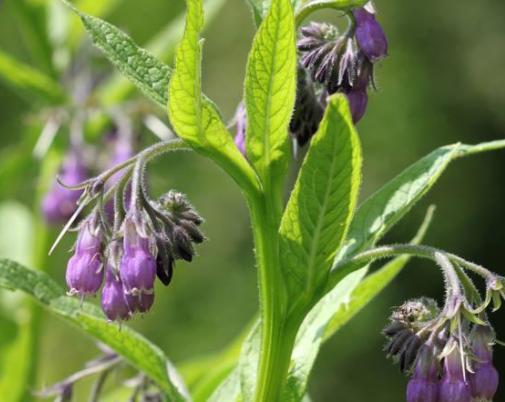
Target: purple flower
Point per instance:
(138, 264)
(60, 203)
(84, 270)
(141, 303)
(454, 386)
(484, 379)
(369, 35)
(241, 125)
(358, 101)
(423, 386)
(114, 303)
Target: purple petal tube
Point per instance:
(84, 274)
(454, 387)
(138, 264)
(358, 101)
(369, 35)
(114, 303)
(59, 203)
(485, 378)
(423, 386)
(141, 303)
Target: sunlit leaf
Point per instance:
(137, 350)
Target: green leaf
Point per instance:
(335, 310)
(132, 346)
(162, 45)
(15, 315)
(270, 87)
(258, 9)
(387, 206)
(323, 200)
(194, 117)
(137, 64)
(29, 82)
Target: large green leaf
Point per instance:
(336, 309)
(132, 346)
(270, 87)
(382, 210)
(29, 82)
(323, 200)
(194, 117)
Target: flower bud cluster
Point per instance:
(145, 246)
(345, 62)
(449, 360)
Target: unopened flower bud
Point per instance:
(370, 35)
(114, 303)
(182, 244)
(308, 110)
(484, 379)
(84, 269)
(164, 263)
(423, 386)
(60, 203)
(454, 386)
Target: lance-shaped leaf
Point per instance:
(323, 200)
(137, 64)
(194, 117)
(383, 209)
(270, 87)
(29, 82)
(141, 353)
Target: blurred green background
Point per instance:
(443, 82)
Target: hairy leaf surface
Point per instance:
(194, 117)
(323, 200)
(141, 353)
(270, 88)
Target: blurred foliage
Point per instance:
(442, 82)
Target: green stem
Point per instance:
(278, 333)
(340, 5)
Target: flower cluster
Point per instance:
(142, 245)
(330, 62)
(344, 62)
(449, 357)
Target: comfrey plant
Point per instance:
(307, 82)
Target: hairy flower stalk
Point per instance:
(143, 242)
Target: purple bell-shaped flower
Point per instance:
(423, 386)
(85, 269)
(484, 379)
(138, 263)
(454, 386)
(114, 303)
(370, 36)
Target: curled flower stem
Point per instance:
(342, 269)
(340, 5)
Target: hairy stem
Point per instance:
(277, 333)
(340, 5)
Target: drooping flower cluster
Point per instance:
(449, 357)
(145, 245)
(343, 62)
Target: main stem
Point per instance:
(278, 334)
